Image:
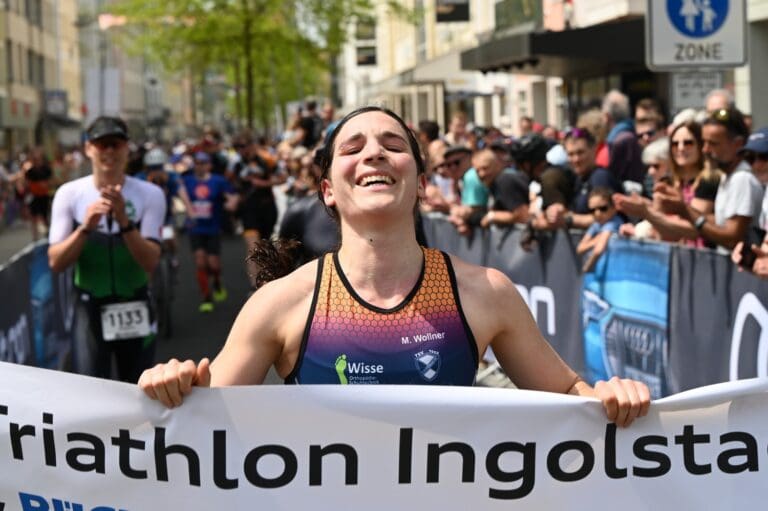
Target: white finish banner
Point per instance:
(73, 443)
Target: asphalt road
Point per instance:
(196, 334)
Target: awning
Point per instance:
(615, 47)
(60, 121)
(445, 71)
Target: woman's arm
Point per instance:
(524, 354)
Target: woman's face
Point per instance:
(685, 150)
(581, 156)
(373, 169)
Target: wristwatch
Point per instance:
(700, 221)
(130, 226)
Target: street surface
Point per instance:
(195, 334)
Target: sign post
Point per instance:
(695, 34)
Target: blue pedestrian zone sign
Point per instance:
(696, 35)
(697, 18)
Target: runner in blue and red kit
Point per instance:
(209, 195)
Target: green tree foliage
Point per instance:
(271, 51)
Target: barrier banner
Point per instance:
(718, 321)
(16, 314)
(549, 279)
(366, 447)
(441, 234)
(625, 314)
(53, 307)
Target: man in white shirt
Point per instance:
(739, 197)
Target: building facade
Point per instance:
(598, 45)
(40, 94)
(415, 68)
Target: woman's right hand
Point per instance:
(170, 382)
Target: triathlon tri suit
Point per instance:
(114, 311)
(207, 197)
(424, 340)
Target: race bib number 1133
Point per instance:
(127, 320)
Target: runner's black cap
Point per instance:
(106, 126)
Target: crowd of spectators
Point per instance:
(698, 180)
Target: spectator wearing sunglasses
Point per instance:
(692, 176)
(607, 222)
(649, 121)
(739, 195)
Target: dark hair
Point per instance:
(580, 133)
(602, 192)
(326, 152)
(652, 105)
(277, 258)
(431, 129)
(731, 119)
(273, 259)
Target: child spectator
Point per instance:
(607, 222)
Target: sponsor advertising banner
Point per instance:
(442, 234)
(548, 278)
(624, 314)
(16, 330)
(52, 300)
(370, 447)
(718, 321)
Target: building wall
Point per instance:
(750, 95)
(593, 12)
(68, 56)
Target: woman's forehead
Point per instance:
(370, 123)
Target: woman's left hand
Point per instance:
(624, 400)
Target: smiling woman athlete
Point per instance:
(383, 309)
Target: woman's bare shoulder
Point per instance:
(479, 280)
(295, 287)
